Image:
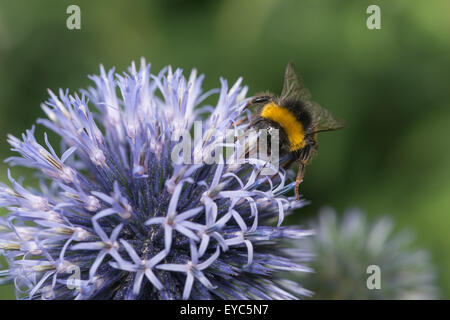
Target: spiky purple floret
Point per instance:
(134, 224)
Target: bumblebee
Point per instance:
(297, 118)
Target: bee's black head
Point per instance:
(260, 100)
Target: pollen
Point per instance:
(289, 123)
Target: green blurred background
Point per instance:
(390, 85)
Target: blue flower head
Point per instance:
(116, 217)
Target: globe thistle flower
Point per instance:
(349, 251)
(116, 218)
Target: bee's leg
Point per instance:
(305, 156)
(298, 180)
(241, 121)
(285, 162)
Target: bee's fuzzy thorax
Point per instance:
(287, 120)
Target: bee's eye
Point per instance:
(261, 99)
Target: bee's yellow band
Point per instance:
(290, 124)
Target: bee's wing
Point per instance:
(322, 119)
(293, 88)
